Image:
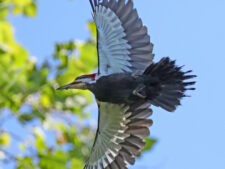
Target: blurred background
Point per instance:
(45, 44)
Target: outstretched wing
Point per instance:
(122, 41)
(119, 136)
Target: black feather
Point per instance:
(166, 83)
(92, 5)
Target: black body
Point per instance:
(162, 83)
(116, 88)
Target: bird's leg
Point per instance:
(137, 91)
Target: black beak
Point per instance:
(68, 86)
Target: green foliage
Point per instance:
(25, 163)
(4, 139)
(76, 163)
(24, 84)
(56, 160)
(26, 7)
(149, 144)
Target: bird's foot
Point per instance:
(137, 92)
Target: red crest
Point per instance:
(91, 75)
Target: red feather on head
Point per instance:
(91, 75)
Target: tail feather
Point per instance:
(170, 84)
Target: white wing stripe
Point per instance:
(119, 137)
(111, 42)
(118, 21)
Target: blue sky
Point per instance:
(193, 33)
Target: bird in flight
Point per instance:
(127, 83)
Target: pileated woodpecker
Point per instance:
(126, 84)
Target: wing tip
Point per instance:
(93, 4)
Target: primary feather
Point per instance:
(123, 42)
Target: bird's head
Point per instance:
(80, 82)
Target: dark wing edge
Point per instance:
(129, 142)
(137, 128)
(136, 34)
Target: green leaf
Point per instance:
(30, 10)
(3, 12)
(45, 100)
(25, 118)
(92, 28)
(40, 140)
(57, 160)
(4, 139)
(6, 35)
(21, 2)
(149, 144)
(25, 163)
(22, 146)
(76, 163)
